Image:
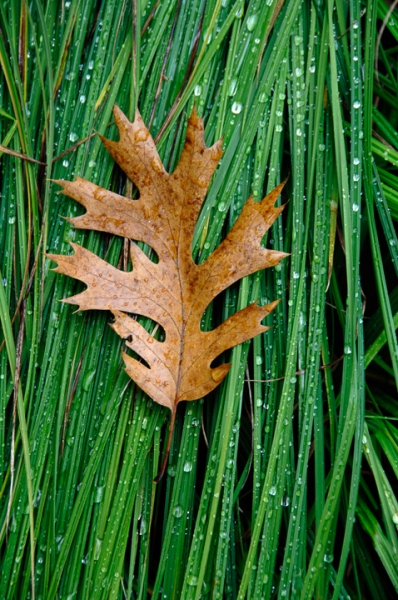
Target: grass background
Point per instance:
(283, 482)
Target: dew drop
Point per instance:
(192, 580)
(251, 22)
(143, 527)
(99, 494)
(232, 87)
(236, 108)
(171, 471)
(177, 511)
(262, 98)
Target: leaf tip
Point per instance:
(194, 113)
(61, 182)
(118, 114)
(220, 372)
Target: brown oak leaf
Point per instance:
(176, 291)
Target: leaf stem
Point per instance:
(167, 452)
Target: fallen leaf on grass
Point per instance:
(174, 292)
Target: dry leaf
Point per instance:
(174, 292)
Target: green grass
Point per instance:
(283, 482)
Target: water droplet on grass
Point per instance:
(171, 471)
(232, 88)
(99, 494)
(88, 380)
(177, 511)
(328, 558)
(251, 22)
